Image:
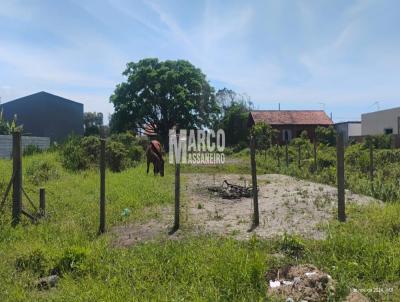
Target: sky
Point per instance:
(340, 56)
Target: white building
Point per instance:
(381, 122)
(351, 128)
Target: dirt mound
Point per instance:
(298, 283)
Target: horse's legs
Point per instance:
(148, 165)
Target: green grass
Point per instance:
(363, 253)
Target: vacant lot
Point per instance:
(204, 260)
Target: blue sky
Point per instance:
(343, 56)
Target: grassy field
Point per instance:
(363, 253)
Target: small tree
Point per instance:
(326, 135)
(264, 134)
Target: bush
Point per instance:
(40, 171)
(383, 141)
(122, 151)
(31, 150)
(357, 158)
(117, 156)
(73, 155)
(91, 148)
(326, 159)
(326, 135)
(134, 147)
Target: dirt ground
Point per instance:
(286, 204)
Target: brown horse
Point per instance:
(154, 155)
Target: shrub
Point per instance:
(136, 153)
(326, 135)
(116, 155)
(326, 159)
(382, 141)
(73, 155)
(122, 151)
(91, 148)
(40, 171)
(31, 149)
(357, 158)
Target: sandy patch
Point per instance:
(286, 205)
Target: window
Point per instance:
(388, 130)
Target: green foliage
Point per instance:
(326, 158)
(73, 260)
(90, 146)
(291, 245)
(264, 135)
(34, 261)
(7, 127)
(116, 154)
(163, 94)
(31, 149)
(39, 171)
(92, 123)
(122, 151)
(382, 141)
(132, 144)
(364, 252)
(326, 135)
(73, 155)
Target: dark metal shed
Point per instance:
(46, 114)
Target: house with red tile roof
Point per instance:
(291, 123)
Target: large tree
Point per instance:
(163, 94)
(234, 116)
(92, 122)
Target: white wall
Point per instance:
(375, 122)
(354, 129)
(6, 144)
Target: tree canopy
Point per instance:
(162, 94)
(234, 116)
(92, 122)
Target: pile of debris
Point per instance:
(300, 283)
(231, 191)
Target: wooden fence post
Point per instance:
(371, 162)
(315, 155)
(17, 182)
(256, 215)
(299, 155)
(42, 202)
(278, 155)
(177, 188)
(287, 154)
(340, 177)
(102, 227)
